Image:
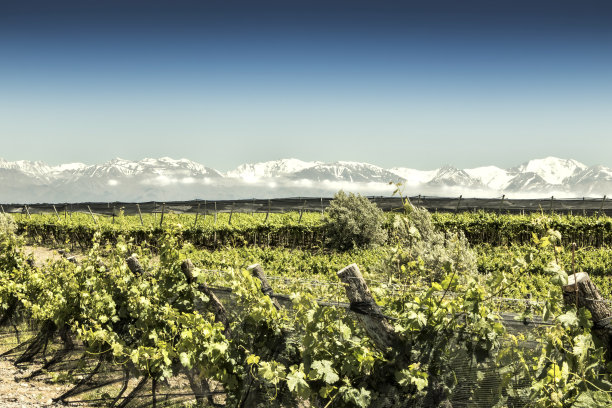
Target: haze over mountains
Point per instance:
(167, 179)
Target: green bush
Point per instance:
(352, 221)
(420, 244)
(7, 224)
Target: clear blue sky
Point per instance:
(394, 83)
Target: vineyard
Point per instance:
(414, 309)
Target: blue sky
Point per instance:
(413, 84)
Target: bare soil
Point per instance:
(41, 254)
(15, 392)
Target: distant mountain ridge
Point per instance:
(171, 179)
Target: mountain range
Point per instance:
(167, 179)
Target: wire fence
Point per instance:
(503, 204)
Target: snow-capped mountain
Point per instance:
(491, 176)
(552, 169)
(528, 182)
(450, 177)
(156, 167)
(35, 169)
(269, 169)
(346, 171)
(167, 179)
(68, 168)
(591, 181)
(413, 177)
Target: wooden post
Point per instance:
(217, 307)
(580, 291)
(92, 216)
(501, 203)
(366, 309)
(583, 208)
(2, 209)
(114, 210)
(139, 214)
(322, 209)
(588, 296)
(134, 265)
(205, 210)
(302, 212)
(65, 212)
(195, 223)
(161, 221)
(458, 203)
(56, 213)
(215, 214)
(268, 213)
(251, 394)
(551, 204)
(258, 272)
(231, 213)
(574, 270)
(28, 211)
(601, 207)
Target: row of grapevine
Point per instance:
(307, 230)
(506, 229)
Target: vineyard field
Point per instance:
(257, 310)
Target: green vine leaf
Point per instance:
(323, 370)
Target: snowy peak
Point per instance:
(552, 169)
(596, 180)
(452, 176)
(346, 171)
(269, 169)
(164, 166)
(68, 168)
(413, 177)
(491, 176)
(36, 169)
(528, 182)
(599, 173)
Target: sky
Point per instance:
(224, 82)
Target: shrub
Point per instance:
(437, 252)
(7, 224)
(353, 221)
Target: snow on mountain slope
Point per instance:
(528, 182)
(452, 176)
(491, 176)
(552, 169)
(30, 168)
(596, 180)
(269, 169)
(346, 171)
(164, 166)
(414, 177)
(68, 167)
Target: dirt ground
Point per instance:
(15, 392)
(42, 255)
